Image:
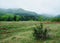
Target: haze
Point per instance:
(39, 6)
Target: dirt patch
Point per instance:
(51, 22)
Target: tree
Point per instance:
(41, 18)
(40, 33)
(15, 17)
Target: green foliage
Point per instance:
(22, 15)
(41, 18)
(21, 32)
(40, 33)
(13, 17)
(55, 20)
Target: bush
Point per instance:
(40, 33)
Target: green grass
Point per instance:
(22, 32)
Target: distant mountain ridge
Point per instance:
(23, 12)
(19, 11)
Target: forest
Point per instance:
(24, 15)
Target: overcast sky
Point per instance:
(39, 6)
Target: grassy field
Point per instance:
(22, 32)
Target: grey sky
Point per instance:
(39, 6)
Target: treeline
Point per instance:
(13, 17)
(55, 19)
(17, 15)
(23, 15)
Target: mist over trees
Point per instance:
(23, 15)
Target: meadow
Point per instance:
(22, 32)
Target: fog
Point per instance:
(50, 7)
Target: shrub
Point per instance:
(40, 33)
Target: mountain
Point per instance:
(17, 11)
(58, 16)
(25, 13)
(20, 12)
